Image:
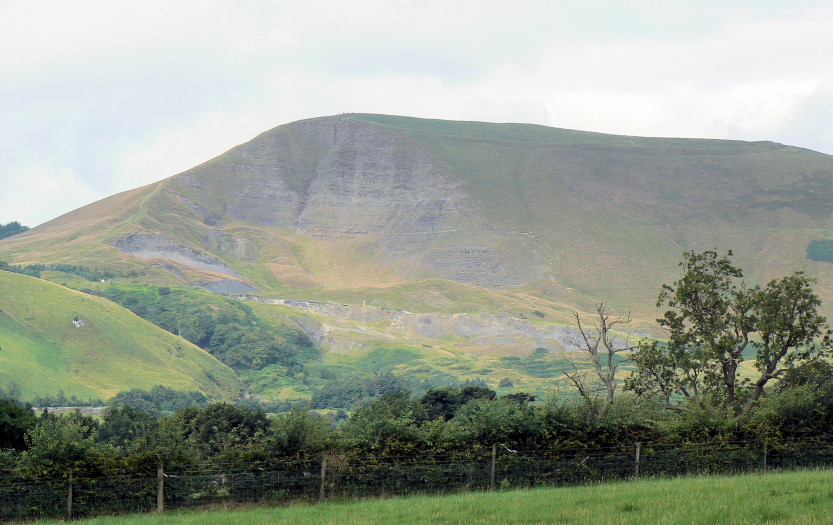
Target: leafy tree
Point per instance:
(443, 403)
(486, 421)
(15, 420)
(302, 432)
(221, 426)
(714, 318)
(159, 399)
(227, 329)
(440, 403)
(387, 426)
(58, 446)
(123, 426)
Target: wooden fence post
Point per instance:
(494, 461)
(323, 476)
(766, 453)
(69, 498)
(636, 462)
(160, 491)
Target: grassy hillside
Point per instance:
(53, 338)
(444, 217)
(788, 497)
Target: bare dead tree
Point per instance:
(600, 345)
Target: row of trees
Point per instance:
(443, 421)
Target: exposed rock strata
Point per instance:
(478, 329)
(337, 179)
(157, 245)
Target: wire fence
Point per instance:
(344, 475)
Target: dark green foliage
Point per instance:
(302, 432)
(472, 391)
(225, 328)
(15, 420)
(11, 228)
(58, 446)
(124, 426)
(820, 251)
(221, 426)
(387, 426)
(159, 399)
(801, 402)
(443, 403)
(521, 398)
(230, 453)
(31, 269)
(353, 391)
(503, 420)
(61, 400)
(440, 403)
(89, 274)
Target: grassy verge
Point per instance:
(791, 497)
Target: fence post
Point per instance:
(69, 498)
(323, 475)
(636, 461)
(766, 453)
(494, 461)
(160, 491)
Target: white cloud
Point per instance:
(41, 192)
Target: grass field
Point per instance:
(791, 497)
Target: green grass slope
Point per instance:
(43, 351)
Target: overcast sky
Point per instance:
(98, 97)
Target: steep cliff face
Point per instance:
(341, 179)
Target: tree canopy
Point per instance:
(716, 322)
(11, 228)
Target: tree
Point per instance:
(221, 426)
(58, 446)
(600, 347)
(714, 322)
(15, 420)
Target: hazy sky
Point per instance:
(98, 97)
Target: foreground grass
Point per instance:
(793, 497)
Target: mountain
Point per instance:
(495, 233)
